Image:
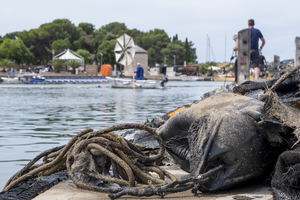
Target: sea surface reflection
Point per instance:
(37, 117)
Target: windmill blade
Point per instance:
(118, 47)
(131, 51)
(127, 39)
(123, 61)
(128, 58)
(118, 55)
(124, 47)
(130, 43)
(121, 41)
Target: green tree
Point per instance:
(36, 41)
(114, 28)
(87, 28)
(205, 67)
(187, 53)
(60, 45)
(62, 33)
(16, 50)
(42, 38)
(12, 36)
(76, 45)
(175, 38)
(74, 64)
(61, 29)
(87, 42)
(58, 64)
(1, 39)
(86, 55)
(193, 56)
(172, 50)
(107, 49)
(98, 37)
(151, 56)
(156, 40)
(6, 63)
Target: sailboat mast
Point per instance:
(225, 48)
(207, 49)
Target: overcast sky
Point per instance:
(278, 20)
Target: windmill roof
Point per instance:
(139, 49)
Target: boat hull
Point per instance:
(137, 84)
(10, 80)
(189, 79)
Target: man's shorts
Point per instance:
(254, 57)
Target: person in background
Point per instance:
(235, 49)
(262, 63)
(139, 72)
(254, 55)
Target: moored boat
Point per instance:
(137, 84)
(37, 79)
(9, 79)
(189, 78)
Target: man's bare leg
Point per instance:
(256, 72)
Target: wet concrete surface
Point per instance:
(67, 190)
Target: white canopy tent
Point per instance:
(68, 54)
(214, 68)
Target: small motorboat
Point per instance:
(9, 79)
(37, 79)
(137, 84)
(189, 78)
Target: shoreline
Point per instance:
(64, 75)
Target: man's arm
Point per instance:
(235, 48)
(263, 42)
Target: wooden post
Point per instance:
(276, 61)
(133, 81)
(297, 52)
(243, 68)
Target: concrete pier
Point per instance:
(68, 190)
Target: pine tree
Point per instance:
(187, 53)
(175, 38)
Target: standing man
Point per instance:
(255, 35)
(139, 72)
(262, 63)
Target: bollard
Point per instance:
(297, 52)
(243, 69)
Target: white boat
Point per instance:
(189, 78)
(137, 84)
(9, 79)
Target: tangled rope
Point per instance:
(90, 155)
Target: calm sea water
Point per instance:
(37, 117)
